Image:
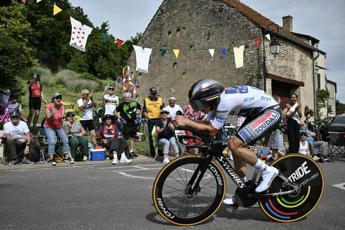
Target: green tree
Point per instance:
(340, 107)
(15, 51)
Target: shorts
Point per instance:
(259, 125)
(119, 145)
(35, 103)
(129, 131)
(88, 125)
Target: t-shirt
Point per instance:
(56, 121)
(14, 107)
(35, 89)
(75, 128)
(167, 132)
(128, 111)
(173, 110)
(16, 130)
(110, 103)
(111, 132)
(240, 100)
(87, 111)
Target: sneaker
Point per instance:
(72, 160)
(125, 160)
(14, 162)
(53, 163)
(267, 177)
(133, 154)
(26, 161)
(85, 158)
(166, 160)
(115, 161)
(230, 200)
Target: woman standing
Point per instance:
(54, 126)
(35, 98)
(293, 115)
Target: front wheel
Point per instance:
(300, 170)
(178, 207)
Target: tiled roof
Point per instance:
(264, 22)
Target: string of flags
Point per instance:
(142, 55)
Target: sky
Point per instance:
(321, 19)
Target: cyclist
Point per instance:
(262, 113)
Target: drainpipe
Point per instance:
(314, 84)
(264, 70)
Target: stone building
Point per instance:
(194, 26)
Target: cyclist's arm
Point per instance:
(181, 121)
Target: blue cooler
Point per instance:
(97, 154)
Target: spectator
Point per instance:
(293, 115)
(304, 145)
(195, 116)
(77, 137)
(86, 105)
(172, 108)
(151, 111)
(17, 137)
(166, 135)
(14, 105)
(318, 149)
(128, 112)
(110, 137)
(54, 126)
(35, 97)
(111, 101)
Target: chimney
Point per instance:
(288, 23)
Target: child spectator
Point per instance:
(111, 138)
(304, 145)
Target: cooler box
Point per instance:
(97, 154)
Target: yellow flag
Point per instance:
(176, 52)
(56, 10)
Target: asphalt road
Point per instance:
(102, 196)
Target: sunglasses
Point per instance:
(111, 88)
(58, 98)
(164, 112)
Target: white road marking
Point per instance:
(138, 177)
(135, 170)
(341, 186)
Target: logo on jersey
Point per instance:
(264, 122)
(248, 99)
(266, 98)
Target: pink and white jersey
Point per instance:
(240, 100)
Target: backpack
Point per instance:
(35, 151)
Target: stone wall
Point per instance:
(194, 26)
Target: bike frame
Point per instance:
(215, 151)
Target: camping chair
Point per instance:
(336, 143)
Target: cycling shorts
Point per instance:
(260, 124)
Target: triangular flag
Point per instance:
(23, 1)
(176, 52)
(211, 52)
(162, 51)
(223, 51)
(37, 1)
(56, 10)
(268, 36)
(118, 43)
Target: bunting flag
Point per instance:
(162, 51)
(105, 37)
(223, 51)
(118, 43)
(37, 1)
(257, 42)
(238, 53)
(24, 1)
(176, 52)
(142, 57)
(79, 34)
(268, 36)
(211, 52)
(56, 10)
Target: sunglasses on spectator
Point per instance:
(57, 98)
(164, 112)
(111, 88)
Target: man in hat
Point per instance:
(151, 111)
(17, 137)
(173, 109)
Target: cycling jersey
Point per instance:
(240, 100)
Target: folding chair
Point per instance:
(337, 144)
